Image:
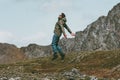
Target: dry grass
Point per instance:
(98, 63)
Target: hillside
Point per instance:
(10, 53)
(102, 34)
(104, 65)
(36, 51)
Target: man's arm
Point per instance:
(62, 28)
(69, 30)
(65, 25)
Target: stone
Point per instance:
(93, 78)
(4, 78)
(11, 79)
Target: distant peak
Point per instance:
(114, 10)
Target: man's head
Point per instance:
(59, 17)
(63, 15)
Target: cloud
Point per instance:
(34, 37)
(38, 38)
(6, 36)
(9, 37)
(55, 5)
(25, 0)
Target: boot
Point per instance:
(62, 57)
(55, 56)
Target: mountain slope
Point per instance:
(36, 51)
(10, 53)
(103, 34)
(105, 65)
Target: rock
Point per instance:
(45, 79)
(18, 78)
(67, 44)
(36, 51)
(11, 79)
(4, 78)
(103, 34)
(117, 68)
(93, 78)
(73, 74)
(75, 71)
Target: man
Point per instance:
(59, 29)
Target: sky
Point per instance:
(24, 22)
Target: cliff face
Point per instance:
(10, 53)
(35, 51)
(103, 34)
(67, 44)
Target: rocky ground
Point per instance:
(95, 65)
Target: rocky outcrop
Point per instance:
(103, 34)
(67, 44)
(10, 53)
(36, 51)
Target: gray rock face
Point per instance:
(9, 53)
(36, 51)
(103, 34)
(67, 44)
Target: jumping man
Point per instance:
(58, 31)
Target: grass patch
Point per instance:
(93, 63)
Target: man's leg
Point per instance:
(55, 56)
(54, 46)
(61, 52)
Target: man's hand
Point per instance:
(65, 36)
(72, 34)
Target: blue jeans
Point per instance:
(56, 48)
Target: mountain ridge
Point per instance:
(102, 34)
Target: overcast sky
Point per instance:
(32, 21)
